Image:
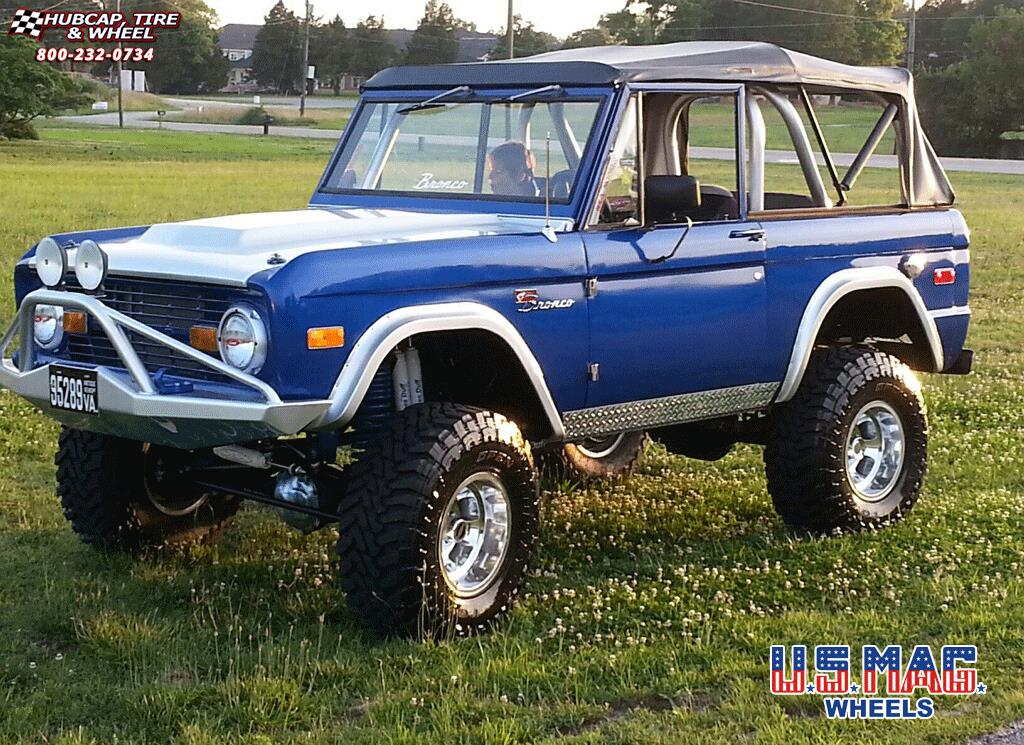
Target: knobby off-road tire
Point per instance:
(401, 504)
(854, 403)
(107, 488)
(598, 458)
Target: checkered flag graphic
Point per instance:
(26, 23)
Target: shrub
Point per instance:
(29, 89)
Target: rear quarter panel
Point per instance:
(802, 251)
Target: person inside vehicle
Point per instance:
(511, 170)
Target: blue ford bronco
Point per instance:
(548, 259)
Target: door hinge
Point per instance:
(591, 285)
(594, 371)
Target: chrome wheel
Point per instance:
(600, 447)
(874, 451)
(475, 533)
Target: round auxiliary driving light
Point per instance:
(51, 262)
(242, 339)
(90, 265)
(48, 326)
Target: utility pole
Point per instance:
(912, 35)
(305, 64)
(510, 31)
(120, 78)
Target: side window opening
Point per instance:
(707, 146)
(787, 185)
(689, 155)
(866, 126)
(848, 123)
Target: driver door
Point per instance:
(677, 306)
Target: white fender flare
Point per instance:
(832, 290)
(385, 333)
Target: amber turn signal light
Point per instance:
(203, 338)
(328, 337)
(75, 322)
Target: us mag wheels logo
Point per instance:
(530, 300)
(845, 698)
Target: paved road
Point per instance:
(285, 102)
(145, 120)
(973, 165)
(1012, 734)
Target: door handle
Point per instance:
(751, 234)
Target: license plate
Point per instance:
(74, 389)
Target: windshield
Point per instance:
(482, 149)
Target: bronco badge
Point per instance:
(527, 300)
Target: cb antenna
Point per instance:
(549, 232)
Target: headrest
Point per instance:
(668, 198)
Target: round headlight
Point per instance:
(242, 338)
(48, 326)
(90, 265)
(51, 262)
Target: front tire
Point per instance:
(437, 526)
(850, 449)
(122, 495)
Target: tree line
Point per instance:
(969, 72)
(336, 51)
(968, 61)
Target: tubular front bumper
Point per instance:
(130, 405)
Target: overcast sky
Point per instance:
(559, 17)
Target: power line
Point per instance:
(811, 11)
(850, 16)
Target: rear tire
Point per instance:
(850, 449)
(599, 458)
(112, 492)
(436, 529)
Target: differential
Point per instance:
(297, 489)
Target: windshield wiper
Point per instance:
(556, 90)
(434, 102)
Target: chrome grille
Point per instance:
(171, 308)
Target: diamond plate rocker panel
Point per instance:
(661, 412)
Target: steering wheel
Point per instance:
(561, 184)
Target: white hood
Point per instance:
(229, 250)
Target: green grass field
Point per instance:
(130, 101)
(654, 601)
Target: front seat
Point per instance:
(717, 203)
(672, 199)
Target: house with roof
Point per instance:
(236, 41)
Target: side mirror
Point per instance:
(670, 199)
